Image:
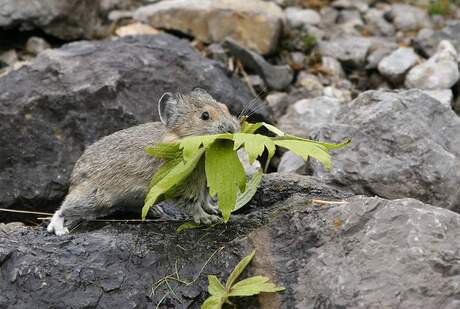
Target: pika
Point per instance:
(114, 172)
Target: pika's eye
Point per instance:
(205, 116)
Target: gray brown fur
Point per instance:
(115, 171)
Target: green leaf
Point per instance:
(164, 169)
(328, 146)
(215, 287)
(250, 128)
(191, 144)
(254, 144)
(164, 151)
(213, 302)
(175, 176)
(238, 270)
(187, 226)
(225, 175)
(251, 189)
(273, 129)
(305, 149)
(253, 286)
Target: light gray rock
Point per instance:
(377, 24)
(438, 72)
(68, 20)
(350, 51)
(292, 163)
(445, 96)
(310, 83)
(428, 39)
(276, 77)
(308, 115)
(297, 17)
(375, 253)
(333, 67)
(255, 24)
(9, 57)
(404, 144)
(342, 95)
(378, 52)
(397, 64)
(36, 45)
(278, 103)
(407, 17)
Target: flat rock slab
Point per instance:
(72, 96)
(367, 252)
(404, 144)
(256, 24)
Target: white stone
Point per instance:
(395, 65)
(297, 17)
(438, 72)
(445, 96)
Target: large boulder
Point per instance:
(68, 20)
(255, 24)
(72, 96)
(404, 144)
(366, 252)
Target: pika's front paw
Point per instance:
(210, 208)
(202, 217)
(56, 225)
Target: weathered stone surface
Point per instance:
(395, 66)
(428, 39)
(72, 96)
(407, 17)
(36, 45)
(307, 115)
(438, 72)
(255, 24)
(276, 77)
(351, 51)
(377, 24)
(358, 254)
(404, 144)
(69, 20)
(444, 96)
(297, 17)
(292, 163)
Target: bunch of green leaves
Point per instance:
(248, 287)
(225, 174)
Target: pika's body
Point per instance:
(115, 171)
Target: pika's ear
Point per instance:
(166, 106)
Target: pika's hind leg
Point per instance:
(81, 204)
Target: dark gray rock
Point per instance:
(117, 265)
(427, 39)
(276, 77)
(69, 20)
(367, 252)
(72, 96)
(404, 144)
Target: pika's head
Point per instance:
(195, 113)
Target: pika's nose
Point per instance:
(227, 128)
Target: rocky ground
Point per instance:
(383, 73)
